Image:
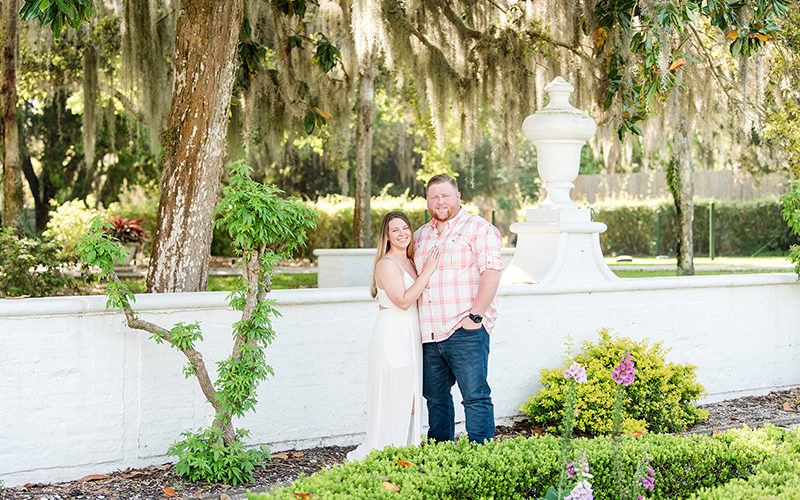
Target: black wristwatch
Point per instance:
(476, 318)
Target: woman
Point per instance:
(394, 378)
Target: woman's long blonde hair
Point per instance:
(384, 245)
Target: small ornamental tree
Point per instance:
(264, 228)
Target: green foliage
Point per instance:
(740, 227)
(778, 477)
(254, 216)
(635, 75)
(524, 468)
(30, 267)
(790, 210)
(57, 13)
(661, 400)
(182, 336)
(202, 456)
(72, 219)
(98, 248)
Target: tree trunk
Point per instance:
(12, 173)
(206, 37)
(683, 194)
(363, 165)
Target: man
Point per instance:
(457, 310)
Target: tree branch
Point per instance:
(396, 12)
(129, 106)
(194, 357)
(464, 30)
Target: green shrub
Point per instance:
(203, 456)
(525, 467)
(30, 267)
(778, 477)
(740, 227)
(661, 400)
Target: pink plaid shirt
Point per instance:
(469, 245)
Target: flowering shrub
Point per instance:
(664, 401)
(70, 220)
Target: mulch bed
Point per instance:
(160, 481)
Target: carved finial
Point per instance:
(559, 91)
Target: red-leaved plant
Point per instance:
(126, 230)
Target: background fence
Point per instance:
(716, 184)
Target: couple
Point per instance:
(449, 306)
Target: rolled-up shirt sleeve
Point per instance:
(487, 248)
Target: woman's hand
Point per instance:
(432, 262)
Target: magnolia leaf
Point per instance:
(677, 63)
(406, 463)
(761, 37)
(390, 486)
(309, 123)
(732, 35)
(93, 477)
(169, 492)
(305, 495)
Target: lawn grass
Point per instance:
(654, 273)
(705, 261)
(280, 281)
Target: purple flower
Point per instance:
(639, 497)
(576, 372)
(649, 481)
(625, 372)
(571, 469)
(581, 491)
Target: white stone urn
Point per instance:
(559, 131)
(558, 242)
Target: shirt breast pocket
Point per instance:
(458, 253)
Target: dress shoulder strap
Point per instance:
(398, 263)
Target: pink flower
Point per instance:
(625, 372)
(576, 372)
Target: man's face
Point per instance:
(443, 201)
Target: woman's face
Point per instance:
(399, 234)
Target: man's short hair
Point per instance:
(440, 179)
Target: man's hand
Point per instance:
(468, 324)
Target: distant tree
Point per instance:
(13, 195)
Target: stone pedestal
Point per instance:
(558, 243)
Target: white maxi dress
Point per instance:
(394, 378)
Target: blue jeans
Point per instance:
(462, 358)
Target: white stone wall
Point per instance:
(80, 393)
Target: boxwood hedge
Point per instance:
(757, 461)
